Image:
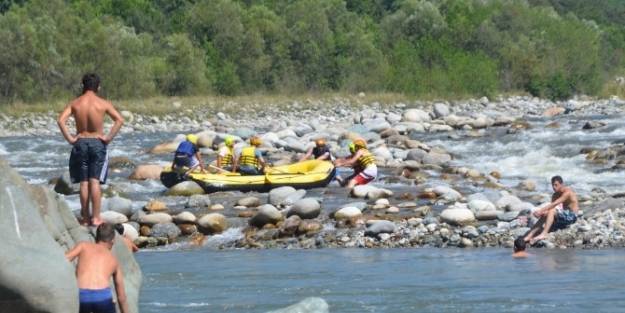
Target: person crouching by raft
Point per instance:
(225, 156)
(250, 160)
(188, 155)
(363, 163)
(320, 151)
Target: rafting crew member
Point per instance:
(363, 163)
(225, 156)
(320, 151)
(88, 162)
(188, 155)
(250, 161)
(96, 265)
(559, 214)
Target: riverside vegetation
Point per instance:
(445, 48)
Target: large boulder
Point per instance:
(185, 188)
(267, 214)
(306, 208)
(457, 216)
(415, 115)
(166, 230)
(146, 171)
(37, 228)
(213, 223)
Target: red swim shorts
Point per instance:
(362, 179)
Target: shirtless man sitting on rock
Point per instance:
(89, 159)
(96, 265)
(559, 214)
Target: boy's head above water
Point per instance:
(519, 244)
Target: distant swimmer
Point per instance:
(96, 266)
(320, 151)
(559, 214)
(88, 161)
(519, 248)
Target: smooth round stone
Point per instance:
(481, 205)
(166, 230)
(380, 227)
(119, 205)
(457, 216)
(112, 217)
(267, 214)
(384, 202)
(278, 195)
(185, 188)
(392, 210)
(217, 207)
(185, 217)
(306, 208)
(155, 206)
(130, 232)
(249, 202)
(199, 201)
(213, 223)
(188, 229)
(155, 218)
(347, 213)
(146, 171)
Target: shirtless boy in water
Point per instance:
(96, 265)
(88, 161)
(559, 214)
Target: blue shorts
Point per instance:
(96, 301)
(89, 159)
(250, 170)
(183, 160)
(563, 219)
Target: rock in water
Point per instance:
(278, 195)
(155, 218)
(250, 202)
(305, 208)
(166, 230)
(457, 216)
(113, 217)
(185, 217)
(267, 214)
(370, 192)
(120, 205)
(308, 305)
(147, 171)
(380, 227)
(213, 223)
(185, 188)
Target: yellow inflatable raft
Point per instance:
(302, 175)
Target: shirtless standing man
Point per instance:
(88, 161)
(96, 265)
(559, 214)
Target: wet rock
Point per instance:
(308, 227)
(465, 243)
(435, 158)
(155, 206)
(507, 216)
(130, 232)
(553, 111)
(188, 229)
(447, 193)
(120, 162)
(166, 230)
(185, 188)
(481, 205)
(347, 213)
(199, 201)
(415, 116)
(278, 195)
(377, 227)
(145, 231)
(185, 217)
(370, 192)
(593, 124)
(267, 214)
(120, 205)
(113, 217)
(146, 171)
(290, 225)
(155, 218)
(440, 110)
(65, 186)
(457, 216)
(487, 215)
(249, 202)
(306, 208)
(212, 223)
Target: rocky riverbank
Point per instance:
(421, 199)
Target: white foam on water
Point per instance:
(37, 181)
(3, 150)
(228, 236)
(176, 305)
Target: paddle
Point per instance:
(219, 169)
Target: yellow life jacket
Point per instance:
(227, 159)
(366, 159)
(248, 156)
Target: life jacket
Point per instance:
(248, 156)
(319, 151)
(366, 159)
(226, 160)
(186, 148)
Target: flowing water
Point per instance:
(383, 280)
(178, 279)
